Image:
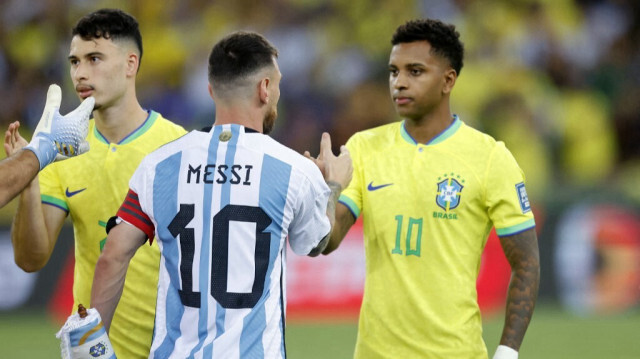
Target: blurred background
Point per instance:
(557, 80)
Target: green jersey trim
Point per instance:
(516, 229)
(448, 132)
(54, 202)
(151, 119)
(351, 205)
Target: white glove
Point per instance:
(505, 352)
(57, 135)
(83, 336)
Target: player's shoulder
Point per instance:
(476, 139)
(166, 125)
(180, 144)
(471, 134)
(376, 136)
(302, 168)
(285, 154)
(474, 144)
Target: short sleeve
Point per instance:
(506, 196)
(51, 191)
(310, 223)
(132, 209)
(352, 195)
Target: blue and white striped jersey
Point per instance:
(222, 204)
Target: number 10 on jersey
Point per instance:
(220, 254)
(412, 241)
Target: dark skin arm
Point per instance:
(522, 253)
(337, 172)
(343, 222)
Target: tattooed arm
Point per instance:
(521, 251)
(337, 172)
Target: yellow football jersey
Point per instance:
(91, 187)
(427, 211)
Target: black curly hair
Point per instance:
(111, 24)
(444, 39)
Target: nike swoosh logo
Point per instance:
(71, 194)
(371, 187)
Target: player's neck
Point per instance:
(240, 116)
(118, 121)
(427, 127)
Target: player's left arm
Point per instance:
(522, 252)
(111, 269)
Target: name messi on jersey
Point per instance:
(234, 174)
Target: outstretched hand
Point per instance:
(13, 142)
(57, 137)
(334, 168)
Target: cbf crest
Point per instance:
(449, 191)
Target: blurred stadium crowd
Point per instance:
(557, 80)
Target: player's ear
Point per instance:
(133, 63)
(450, 77)
(210, 91)
(263, 90)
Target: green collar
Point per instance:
(448, 132)
(151, 119)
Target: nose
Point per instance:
(79, 72)
(399, 81)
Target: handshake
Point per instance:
(58, 137)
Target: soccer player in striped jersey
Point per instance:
(430, 188)
(222, 205)
(104, 57)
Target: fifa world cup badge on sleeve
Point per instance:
(83, 336)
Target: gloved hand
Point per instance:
(83, 336)
(58, 137)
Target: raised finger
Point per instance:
(325, 146)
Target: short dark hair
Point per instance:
(239, 55)
(444, 39)
(111, 24)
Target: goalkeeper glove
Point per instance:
(57, 137)
(505, 352)
(83, 336)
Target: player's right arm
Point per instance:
(337, 172)
(36, 226)
(17, 171)
(111, 269)
(343, 222)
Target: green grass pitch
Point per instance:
(553, 334)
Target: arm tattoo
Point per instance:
(522, 253)
(336, 188)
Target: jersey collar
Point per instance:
(448, 132)
(151, 119)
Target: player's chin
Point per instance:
(404, 111)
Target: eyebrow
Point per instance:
(416, 64)
(91, 54)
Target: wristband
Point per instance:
(504, 352)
